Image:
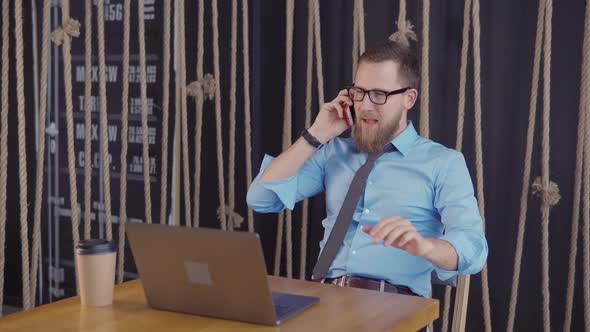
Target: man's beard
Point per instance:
(373, 141)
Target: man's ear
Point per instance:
(411, 96)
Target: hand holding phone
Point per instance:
(349, 115)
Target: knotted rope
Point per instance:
(124, 140)
(65, 42)
(144, 112)
(104, 141)
(404, 32)
(165, 112)
(247, 125)
(220, 178)
(41, 152)
(88, 117)
(549, 193)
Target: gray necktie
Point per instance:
(345, 215)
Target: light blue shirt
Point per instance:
(422, 181)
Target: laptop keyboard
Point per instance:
(282, 309)
(281, 304)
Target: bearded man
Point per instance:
(398, 205)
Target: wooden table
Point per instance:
(340, 309)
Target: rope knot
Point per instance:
(194, 88)
(209, 85)
(404, 33)
(549, 195)
(70, 28)
(233, 218)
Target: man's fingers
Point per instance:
(343, 100)
(394, 234)
(366, 228)
(333, 107)
(336, 105)
(404, 239)
(383, 222)
(383, 232)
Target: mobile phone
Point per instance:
(349, 115)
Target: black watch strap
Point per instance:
(311, 139)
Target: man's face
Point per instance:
(376, 125)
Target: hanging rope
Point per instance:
(473, 7)
(460, 121)
(586, 214)
(247, 125)
(404, 28)
(308, 79)
(314, 11)
(124, 140)
(165, 112)
(582, 115)
(236, 219)
(479, 154)
(463, 74)
(361, 20)
(62, 36)
(144, 112)
(424, 73)
(87, 118)
(221, 211)
(102, 89)
(527, 167)
(318, 51)
(22, 153)
(41, 152)
(287, 135)
(279, 245)
(548, 191)
(196, 90)
(232, 112)
(181, 61)
(287, 124)
(446, 310)
(4, 141)
(176, 173)
(355, 36)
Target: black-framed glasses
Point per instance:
(378, 97)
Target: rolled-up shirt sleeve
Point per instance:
(276, 195)
(463, 224)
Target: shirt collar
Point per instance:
(405, 140)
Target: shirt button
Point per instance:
(354, 252)
(367, 211)
(370, 182)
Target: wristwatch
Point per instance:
(311, 139)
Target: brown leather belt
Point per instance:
(368, 283)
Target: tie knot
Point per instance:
(388, 148)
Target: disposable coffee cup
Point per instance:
(95, 260)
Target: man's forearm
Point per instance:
(289, 162)
(442, 254)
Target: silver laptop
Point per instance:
(209, 272)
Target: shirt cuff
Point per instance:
(284, 188)
(470, 252)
